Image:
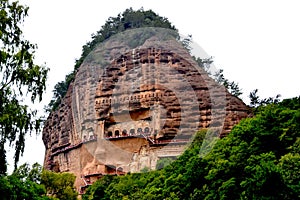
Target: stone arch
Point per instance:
(117, 133)
(146, 129)
(132, 131)
(109, 134)
(124, 132)
(139, 130)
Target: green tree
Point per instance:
(255, 159)
(262, 177)
(59, 185)
(205, 63)
(256, 102)
(23, 184)
(186, 43)
(163, 162)
(19, 76)
(289, 167)
(98, 189)
(231, 86)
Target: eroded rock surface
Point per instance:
(129, 107)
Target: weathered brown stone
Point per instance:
(119, 90)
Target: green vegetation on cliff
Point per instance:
(129, 19)
(260, 159)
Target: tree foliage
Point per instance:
(19, 77)
(231, 86)
(59, 185)
(32, 183)
(256, 101)
(248, 164)
(23, 184)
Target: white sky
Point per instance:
(255, 42)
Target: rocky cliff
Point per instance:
(138, 97)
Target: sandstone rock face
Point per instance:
(132, 104)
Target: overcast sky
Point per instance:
(255, 42)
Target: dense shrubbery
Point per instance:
(34, 183)
(258, 160)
